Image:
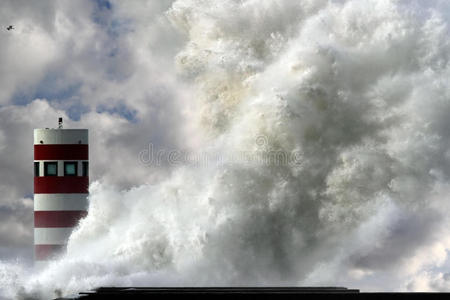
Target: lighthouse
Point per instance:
(61, 180)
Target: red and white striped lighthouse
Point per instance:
(61, 180)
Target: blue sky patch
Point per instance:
(75, 111)
(103, 4)
(53, 87)
(119, 109)
(102, 12)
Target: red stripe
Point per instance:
(61, 184)
(63, 218)
(61, 152)
(43, 252)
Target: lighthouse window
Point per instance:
(50, 168)
(85, 168)
(36, 169)
(70, 168)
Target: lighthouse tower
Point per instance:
(61, 179)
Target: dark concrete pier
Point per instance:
(244, 292)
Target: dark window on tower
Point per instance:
(70, 168)
(85, 168)
(36, 168)
(50, 168)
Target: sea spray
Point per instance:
(356, 92)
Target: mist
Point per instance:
(316, 153)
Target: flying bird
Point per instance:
(9, 27)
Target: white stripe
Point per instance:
(44, 202)
(60, 136)
(52, 236)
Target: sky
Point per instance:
(353, 96)
(93, 64)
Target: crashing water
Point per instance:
(323, 136)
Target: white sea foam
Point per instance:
(356, 90)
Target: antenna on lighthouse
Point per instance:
(60, 123)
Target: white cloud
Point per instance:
(361, 93)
